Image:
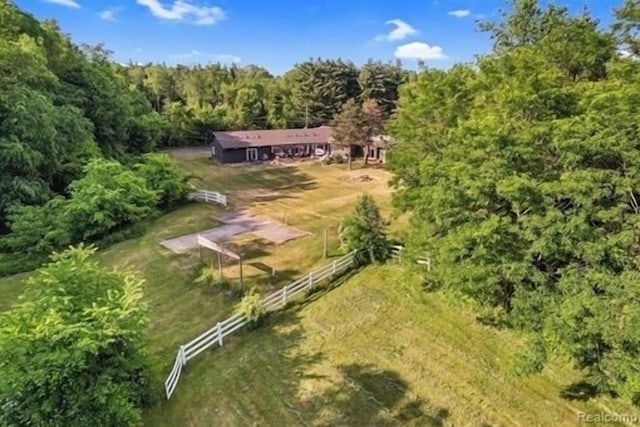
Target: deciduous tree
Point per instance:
(71, 349)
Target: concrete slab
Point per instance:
(237, 222)
(188, 242)
(279, 234)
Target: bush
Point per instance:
(210, 277)
(337, 158)
(71, 349)
(252, 308)
(37, 229)
(107, 199)
(164, 178)
(364, 231)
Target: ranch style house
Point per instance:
(263, 145)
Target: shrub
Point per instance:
(210, 277)
(337, 158)
(252, 308)
(108, 198)
(71, 349)
(164, 178)
(37, 229)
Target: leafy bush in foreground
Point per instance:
(71, 348)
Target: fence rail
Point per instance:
(208, 197)
(398, 250)
(272, 302)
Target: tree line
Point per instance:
(192, 101)
(522, 175)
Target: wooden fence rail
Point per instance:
(274, 301)
(208, 197)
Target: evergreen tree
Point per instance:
(365, 231)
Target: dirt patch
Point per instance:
(361, 178)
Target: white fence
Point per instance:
(396, 253)
(208, 197)
(271, 302)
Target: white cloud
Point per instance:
(401, 31)
(460, 13)
(68, 3)
(185, 10)
(110, 14)
(225, 57)
(419, 51)
(195, 54)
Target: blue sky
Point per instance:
(278, 33)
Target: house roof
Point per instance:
(273, 137)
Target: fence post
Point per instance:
(284, 296)
(334, 268)
(310, 285)
(183, 358)
(219, 325)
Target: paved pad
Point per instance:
(186, 243)
(237, 222)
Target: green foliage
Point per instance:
(71, 349)
(251, 307)
(108, 204)
(107, 198)
(60, 106)
(164, 178)
(337, 158)
(357, 124)
(365, 231)
(37, 229)
(380, 82)
(522, 175)
(627, 26)
(321, 87)
(210, 277)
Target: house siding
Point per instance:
(217, 151)
(239, 155)
(234, 155)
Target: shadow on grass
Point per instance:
(271, 375)
(581, 391)
(282, 182)
(370, 396)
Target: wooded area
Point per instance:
(522, 173)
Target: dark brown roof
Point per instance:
(275, 137)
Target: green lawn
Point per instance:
(372, 352)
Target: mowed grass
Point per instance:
(181, 309)
(372, 352)
(308, 196)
